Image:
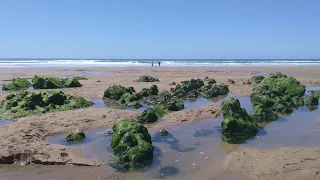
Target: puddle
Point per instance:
(4, 122)
(144, 107)
(199, 102)
(99, 103)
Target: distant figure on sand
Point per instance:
(152, 64)
(159, 63)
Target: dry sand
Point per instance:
(28, 135)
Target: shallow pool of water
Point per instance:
(311, 88)
(4, 122)
(196, 104)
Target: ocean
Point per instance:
(51, 62)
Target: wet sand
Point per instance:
(28, 135)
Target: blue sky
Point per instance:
(160, 28)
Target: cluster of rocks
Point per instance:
(31, 103)
(274, 94)
(145, 78)
(43, 82)
(17, 84)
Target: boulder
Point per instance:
(211, 91)
(76, 137)
(145, 92)
(310, 100)
(181, 91)
(211, 81)
(79, 78)
(32, 103)
(147, 79)
(147, 116)
(236, 121)
(72, 82)
(128, 97)
(174, 105)
(255, 80)
(115, 92)
(263, 114)
(42, 82)
(17, 84)
(161, 110)
(132, 145)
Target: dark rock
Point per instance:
(310, 100)
(211, 91)
(255, 80)
(115, 92)
(172, 84)
(231, 81)
(76, 137)
(163, 132)
(79, 78)
(212, 81)
(181, 91)
(132, 145)
(147, 116)
(72, 82)
(42, 82)
(262, 114)
(147, 79)
(127, 98)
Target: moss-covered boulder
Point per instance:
(145, 92)
(71, 82)
(161, 110)
(17, 84)
(115, 92)
(132, 145)
(128, 97)
(147, 79)
(183, 89)
(147, 116)
(316, 94)
(212, 81)
(79, 78)
(76, 137)
(255, 80)
(277, 92)
(42, 82)
(262, 114)
(32, 103)
(236, 122)
(174, 105)
(211, 91)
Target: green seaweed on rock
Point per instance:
(115, 92)
(148, 116)
(76, 137)
(43, 82)
(147, 79)
(132, 145)
(32, 103)
(17, 84)
(262, 114)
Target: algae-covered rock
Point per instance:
(174, 105)
(231, 81)
(145, 92)
(297, 101)
(41, 82)
(316, 94)
(255, 80)
(147, 79)
(310, 100)
(147, 116)
(76, 137)
(262, 114)
(181, 91)
(161, 110)
(277, 92)
(80, 78)
(16, 84)
(72, 82)
(236, 121)
(132, 145)
(32, 103)
(211, 81)
(163, 132)
(115, 92)
(128, 97)
(211, 91)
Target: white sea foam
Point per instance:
(15, 63)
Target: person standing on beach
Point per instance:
(152, 64)
(159, 63)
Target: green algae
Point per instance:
(148, 116)
(32, 103)
(146, 78)
(17, 84)
(76, 137)
(43, 82)
(132, 145)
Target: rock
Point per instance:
(262, 114)
(316, 94)
(231, 81)
(147, 116)
(173, 84)
(72, 82)
(147, 79)
(163, 132)
(211, 81)
(236, 122)
(255, 80)
(115, 92)
(206, 78)
(76, 137)
(243, 83)
(277, 93)
(42, 82)
(145, 92)
(17, 84)
(181, 91)
(134, 104)
(127, 98)
(310, 100)
(79, 78)
(161, 110)
(32, 103)
(174, 105)
(211, 91)
(132, 145)
(297, 101)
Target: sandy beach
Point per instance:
(27, 136)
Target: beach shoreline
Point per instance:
(28, 134)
